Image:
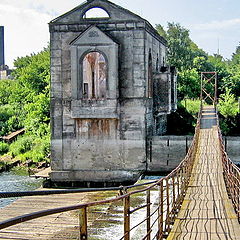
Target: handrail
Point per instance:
(67, 191)
(171, 190)
(231, 175)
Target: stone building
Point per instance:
(110, 93)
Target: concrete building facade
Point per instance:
(110, 94)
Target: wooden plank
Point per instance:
(207, 212)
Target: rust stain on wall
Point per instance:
(97, 128)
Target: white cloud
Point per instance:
(218, 25)
(26, 24)
(26, 31)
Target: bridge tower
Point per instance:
(209, 87)
(2, 58)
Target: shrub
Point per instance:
(21, 145)
(40, 149)
(4, 147)
(228, 106)
(29, 147)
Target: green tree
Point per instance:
(189, 84)
(228, 106)
(179, 46)
(189, 59)
(33, 72)
(25, 103)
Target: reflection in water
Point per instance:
(13, 182)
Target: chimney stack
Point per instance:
(2, 60)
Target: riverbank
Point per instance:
(7, 163)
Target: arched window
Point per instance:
(94, 76)
(96, 12)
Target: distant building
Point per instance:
(5, 72)
(110, 94)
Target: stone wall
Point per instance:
(110, 139)
(233, 148)
(169, 151)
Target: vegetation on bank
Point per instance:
(190, 61)
(24, 101)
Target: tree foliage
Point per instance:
(25, 103)
(190, 61)
(228, 106)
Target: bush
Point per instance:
(40, 149)
(228, 106)
(191, 105)
(29, 147)
(9, 119)
(21, 145)
(4, 147)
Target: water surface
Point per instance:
(15, 181)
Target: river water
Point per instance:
(15, 181)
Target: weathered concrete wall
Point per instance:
(233, 148)
(106, 140)
(168, 151)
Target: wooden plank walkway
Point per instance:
(61, 226)
(207, 212)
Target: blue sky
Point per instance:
(209, 21)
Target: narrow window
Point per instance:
(150, 76)
(157, 64)
(94, 76)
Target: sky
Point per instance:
(213, 24)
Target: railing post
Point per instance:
(160, 218)
(167, 227)
(178, 188)
(238, 209)
(182, 183)
(174, 198)
(148, 216)
(127, 218)
(83, 223)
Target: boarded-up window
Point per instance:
(94, 76)
(97, 128)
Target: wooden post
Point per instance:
(178, 188)
(83, 223)
(167, 227)
(160, 219)
(148, 215)
(127, 218)
(238, 210)
(174, 198)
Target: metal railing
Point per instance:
(159, 218)
(231, 175)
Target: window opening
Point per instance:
(94, 76)
(150, 75)
(157, 64)
(96, 12)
